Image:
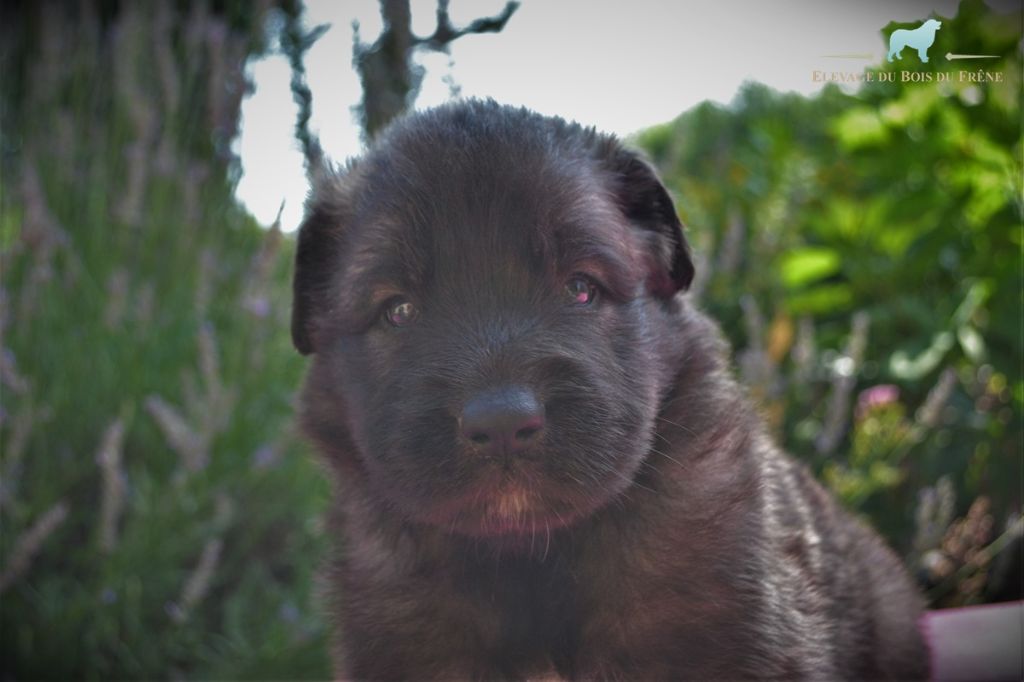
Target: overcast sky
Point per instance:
(619, 65)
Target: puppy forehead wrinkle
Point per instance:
(502, 214)
(438, 195)
(598, 235)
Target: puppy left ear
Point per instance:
(645, 202)
(318, 255)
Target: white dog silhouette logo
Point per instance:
(920, 38)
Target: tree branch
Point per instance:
(446, 33)
(295, 42)
(390, 78)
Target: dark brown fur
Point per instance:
(654, 531)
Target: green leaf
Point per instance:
(903, 366)
(860, 127)
(971, 342)
(976, 296)
(807, 265)
(822, 299)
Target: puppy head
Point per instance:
(487, 296)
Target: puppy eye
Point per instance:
(401, 313)
(580, 290)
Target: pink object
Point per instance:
(876, 396)
(977, 643)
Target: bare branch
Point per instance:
(446, 33)
(295, 42)
(390, 78)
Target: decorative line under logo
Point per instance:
(950, 56)
(920, 39)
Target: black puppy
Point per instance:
(542, 465)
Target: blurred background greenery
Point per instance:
(161, 517)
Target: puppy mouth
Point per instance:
(512, 486)
(504, 507)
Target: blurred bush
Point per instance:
(863, 252)
(158, 518)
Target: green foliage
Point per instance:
(801, 267)
(902, 203)
(159, 515)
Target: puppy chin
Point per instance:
(509, 512)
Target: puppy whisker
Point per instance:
(677, 425)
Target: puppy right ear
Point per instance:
(317, 258)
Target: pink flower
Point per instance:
(876, 396)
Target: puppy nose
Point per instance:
(504, 420)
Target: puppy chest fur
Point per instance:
(543, 468)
